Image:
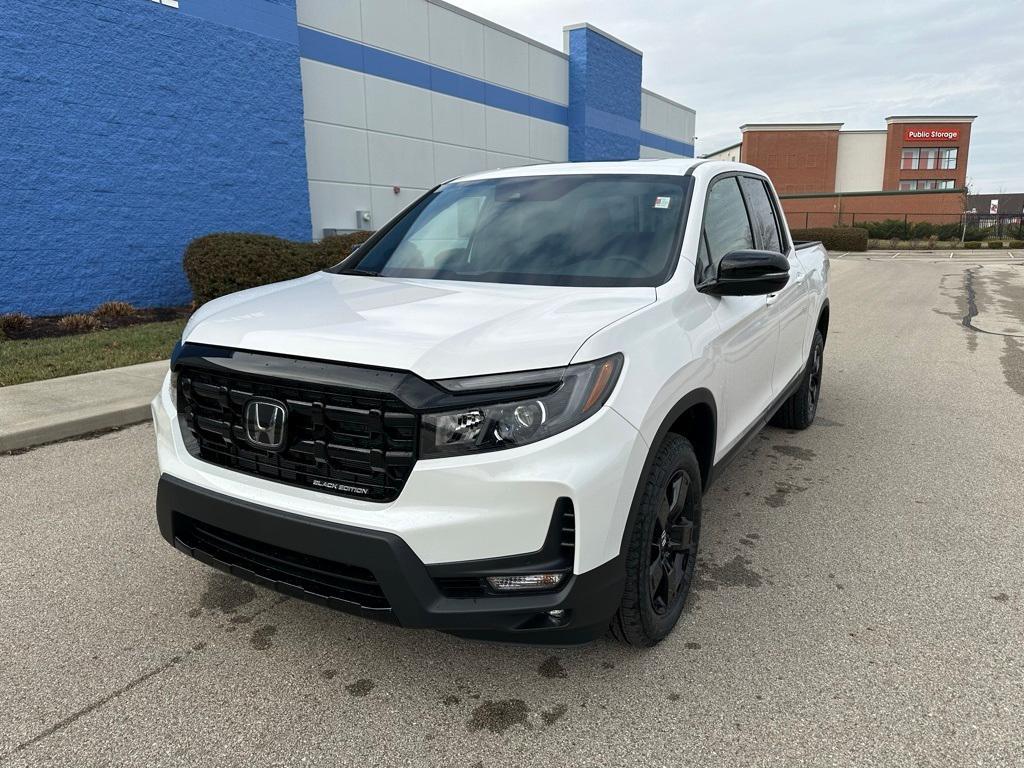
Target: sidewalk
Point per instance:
(56, 409)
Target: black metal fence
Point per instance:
(1001, 224)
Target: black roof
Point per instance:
(1009, 202)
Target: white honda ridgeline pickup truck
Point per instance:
(497, 417)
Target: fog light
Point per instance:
(529, 581)
(558, 613)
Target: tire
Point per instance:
(661, 549)
(799, 410)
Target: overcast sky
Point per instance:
(855, 62)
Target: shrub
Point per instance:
(995, 243)
(835, 238)
(223, 263)
(898, 229)
(114, 309)
(922, 229)
(78, 323)
(14, 321)
(972, 244)
(1017, 243)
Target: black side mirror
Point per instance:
(748, 273)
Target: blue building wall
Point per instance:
(604, 97)
(127, 128)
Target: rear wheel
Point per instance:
(661, 550)
(799, 410)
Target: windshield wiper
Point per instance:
(361, 272)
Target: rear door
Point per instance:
(791, 306)
(749, 331)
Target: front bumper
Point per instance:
(475, 507)
(374, 573)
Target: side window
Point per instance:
(726, 227)
(762, 215)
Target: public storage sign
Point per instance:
(931, 134)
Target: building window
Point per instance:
(928, 159)
(915, 185)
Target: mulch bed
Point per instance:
(47, 326)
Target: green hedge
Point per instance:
(835, 238)
(904, 230)
(972, 244)
(226, 262)
(995, 244)
(1017, 243)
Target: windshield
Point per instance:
(607, 230)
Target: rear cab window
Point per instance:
(767, 233)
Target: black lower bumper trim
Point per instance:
(373, 573)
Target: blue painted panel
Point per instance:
(604, 98)
(329, 49)
(657, 141)
(452, 84)
(130, 128)
(342, 52)
(395, 67)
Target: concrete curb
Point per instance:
(58, 409)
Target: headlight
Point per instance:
(576, 393)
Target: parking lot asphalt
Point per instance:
(860, 598)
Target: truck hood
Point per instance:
(435, 328)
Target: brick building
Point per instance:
(916, 168)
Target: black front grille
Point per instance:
(354, 443)
(314, 576)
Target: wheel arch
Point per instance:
(695, 417)
(822, 324)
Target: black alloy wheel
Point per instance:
(660, 545)
(814, 383)
(673, 547)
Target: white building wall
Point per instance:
(376, 144)
(730, 154)
(666, 118)
(860, 161)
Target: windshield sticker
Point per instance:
(662, 202)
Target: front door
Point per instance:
(790, 307)
(749, 330)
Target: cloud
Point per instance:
(740, 61)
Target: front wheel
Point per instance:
(799, 410)
(661, 550)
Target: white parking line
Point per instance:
(1011, 255)
(951, 254)
(895, 254)
(842, 254)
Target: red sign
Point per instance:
(920, 133)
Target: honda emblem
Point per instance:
(265, 423)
